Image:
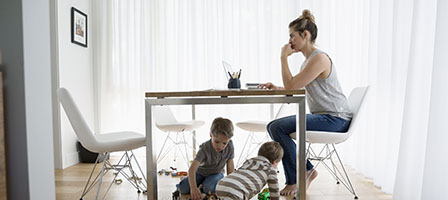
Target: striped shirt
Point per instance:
(249, 180)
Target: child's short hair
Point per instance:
(271, 150)
(222, 126)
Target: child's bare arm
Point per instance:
(230, 166)
(194, 190)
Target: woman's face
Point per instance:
(296, 41)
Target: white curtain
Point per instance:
(396, 47)
(434, 173)
(384, 44)
(180, 45)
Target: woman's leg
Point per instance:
(279, 130)
(319, 122)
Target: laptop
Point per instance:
(253, 86)
(227, 69)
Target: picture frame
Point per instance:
(79, 27)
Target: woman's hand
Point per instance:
(195, 193)
(287, 50)
(269, 86)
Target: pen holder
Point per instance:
(234, 83)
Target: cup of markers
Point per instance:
(234, 80)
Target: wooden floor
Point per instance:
(70, 183)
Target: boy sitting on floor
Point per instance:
(208, 166)
(250, 178)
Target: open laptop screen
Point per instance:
(227, 69)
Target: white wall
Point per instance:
(75, 74)
(39, 126)
(25, 40)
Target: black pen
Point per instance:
(239, 74)
(230, 75)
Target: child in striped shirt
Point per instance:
(250, 178)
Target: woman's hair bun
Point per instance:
(306, 14)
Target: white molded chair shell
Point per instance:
(119, 141)
(166, 121)
(356, 102)
(100, 143)
(260, 126)
(253, 126)
(325, 137)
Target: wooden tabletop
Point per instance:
(237, 92)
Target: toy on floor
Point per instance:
(167, 172)
(173, 172)
(118, 181)
(182, 173)
(177, 196)
(179, 174)
(211, 196)
(264, 195)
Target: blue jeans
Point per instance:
(208, 183)
(279, 130)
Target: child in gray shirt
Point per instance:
(208, 166)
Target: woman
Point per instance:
(327, 103)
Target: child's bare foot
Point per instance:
(288, 190)
(310, 175)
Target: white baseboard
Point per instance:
(70, 159)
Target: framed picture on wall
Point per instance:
(79, 27)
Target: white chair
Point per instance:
(166, 122)
(104, 144)
(254, 127)
(329, 139)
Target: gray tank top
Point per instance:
(324, 96)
